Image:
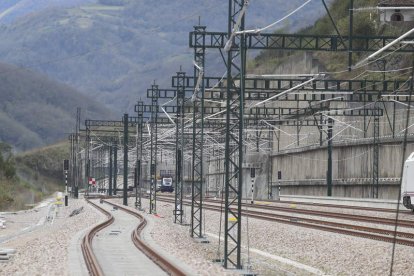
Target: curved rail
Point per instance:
(146, 249)
(90, 259)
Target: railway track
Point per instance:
(351, 217)
(91, 260)
(166, 265)
(339, 206)
(403, 238)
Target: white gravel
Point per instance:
(44, 251)
(175, 240)
(333, 254)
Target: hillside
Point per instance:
(366, 23)
(12, 10)
(29, 177)
(36, 111)
(114, 49)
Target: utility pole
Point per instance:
(125, 190)
(329, 173)
(179, 139)
(140, 114)
(110, 169)
(236, 51)
(197, 179)
(115, 166)
(153, 150)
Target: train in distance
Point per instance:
(165, 185)
(407, 187)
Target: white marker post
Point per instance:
(66, 169)
(252, 176)
(279, 177)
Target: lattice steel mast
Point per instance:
(198, 135)
(179, 153)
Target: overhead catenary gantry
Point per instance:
(197, 177)
(180, 147)
(215, 113)
(235, 42)
(114, 128)
(302, 42)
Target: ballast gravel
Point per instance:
(275, 249)
(44, 250)
(324, 252)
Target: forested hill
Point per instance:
(12, 10)
(36, 111)
(366, 22)
(114, 49)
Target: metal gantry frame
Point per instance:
(140, 129)
(179, 152)
(236, 64)
(196, 223)
(125, 145)
(329, 176)
(235, 89)
(153, 149)
(111, 150)
(88, 161)
(305, 42)
(375, 163)
(115, 166)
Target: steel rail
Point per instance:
(91, 261)
(352, 217)
(338, 206)
(362, 218)
(161, 261)
(358, 231)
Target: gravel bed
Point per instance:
(333, 254)
(175, 240)
(402, 215)
(337, 220)
(16, 222)
(44, 251)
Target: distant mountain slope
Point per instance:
(115, 49)
(36, 111)
(11, 10)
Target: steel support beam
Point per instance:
(110, 169)
(303, 42)
(236, 54)
(115, 146)
(329, 172)
(140, 129)
(125, 189)
(256, 113)
(153, 150)
(76, 159)
(179, 153)
(88, 160)
(375, 157)
(197, 180)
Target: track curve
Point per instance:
(91, 260)
(166, 265)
